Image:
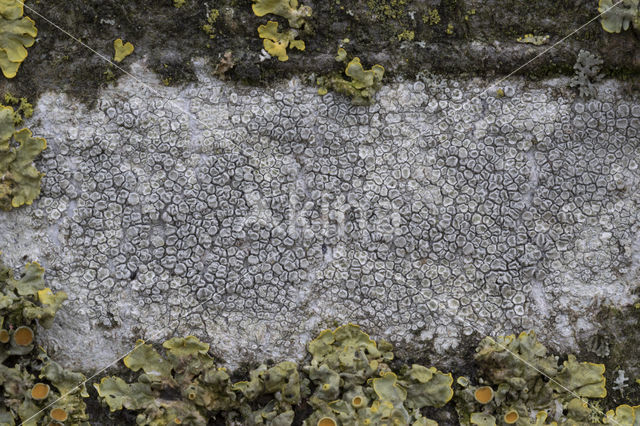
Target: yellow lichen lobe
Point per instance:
(276, 43)
(18, 33)
(122, 50)
(288, 9)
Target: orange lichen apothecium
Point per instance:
(511, 417)
(58, 414)
(326, 421)
(23, 336)
(39, 391)
(484, 394)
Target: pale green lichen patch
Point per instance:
(354, 384)
(185, 367)
(432, 17)
(388, 9)
(623, 415)
(24, 301)
(289, 9)
(348, 382)
(524, 380)
(23, 109)
(619, 15)
(146, 358)
(29, 380)
(406, 35)
(19, 179)
(363, 84)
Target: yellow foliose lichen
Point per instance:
(363, 85)
(19, 179)
(122, 50)
(288, 9)
(276, 43)
(18, 33)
